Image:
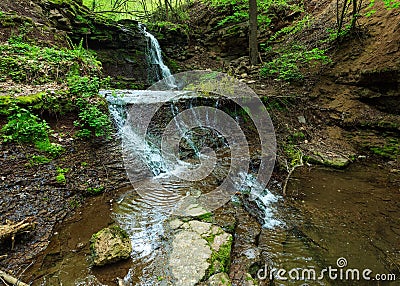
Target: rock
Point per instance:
(250, 281)
(199, 250)
(330, 160)
(110, 245)
(219, 279)
(189, 258)
(301, 119)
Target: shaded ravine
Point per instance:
(337, 214)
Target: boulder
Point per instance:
(199, 251)
(110, 245)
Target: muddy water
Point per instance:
(66, 261)
(352, 214)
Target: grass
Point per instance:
(23, 62)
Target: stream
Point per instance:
(328, 215)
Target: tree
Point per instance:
(342, 8)
(253, 44)
(350, 11)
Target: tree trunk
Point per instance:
(253, 44)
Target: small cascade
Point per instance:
(157, 69)
(147, 153)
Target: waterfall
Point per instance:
(161, 184)
(157, 69)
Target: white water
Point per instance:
(157, 69)
(143, 216)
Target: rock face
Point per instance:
(120, 46)
(199, 250)
(110, 245)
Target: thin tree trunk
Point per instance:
(253, 44)
(341, 17)
(354, 14)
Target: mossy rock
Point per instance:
(219, 279)
(336, 162)
(110, 245)
(32, 100)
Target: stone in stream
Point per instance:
(328, 159)
(109, 245)
(199, 250)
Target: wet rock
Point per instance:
(219, 279)
(330, 160)
(199, 250)
(110, 245)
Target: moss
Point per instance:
(118, 231)
(207, 217)
(222, 257)
(390, 150)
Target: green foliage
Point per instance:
(25, 127)
(287, 66)
(390, 150)
(293, 154)
(349, 11)
(60, 178)
(84, 87)
(52, 149)
(95, 190)
(293, 29)
(236, 17)
(38, 160)
(238, 11)
(389, 4)
(92, 120)
(24, 62)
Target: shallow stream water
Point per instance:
(352, 214)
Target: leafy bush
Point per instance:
(60, 178)
(23, 62)
(93, 121)
(25, 127)
(287, 66)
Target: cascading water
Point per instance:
(143, 216)
(157, 69)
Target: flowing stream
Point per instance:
(334, 217)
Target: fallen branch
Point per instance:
(11, 279)
(300, 164)
(10, 229)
